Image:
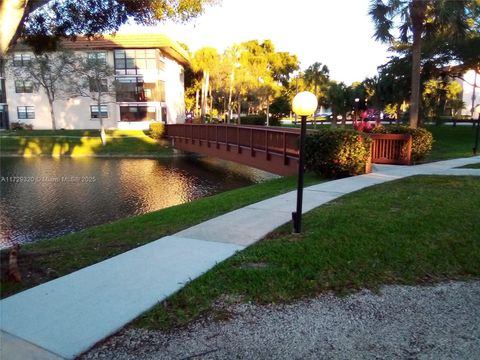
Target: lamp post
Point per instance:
(356, 109)
(304, 104)
(477, 131)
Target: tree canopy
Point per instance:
(421, 24)
(40, 21)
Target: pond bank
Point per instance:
(78, 143)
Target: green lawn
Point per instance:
(471, 166)
(415, 230)
(80, 143)
(45, 260)
(451, 142)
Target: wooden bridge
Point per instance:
(267, 148)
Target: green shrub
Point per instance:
(259, 120)
(422, 139)
(157, 130)
(337, 152)
(20, 126)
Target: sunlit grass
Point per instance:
(80, 143)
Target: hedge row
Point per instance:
(422, 139)
(337, 152)
(157, 130)
(258, 120)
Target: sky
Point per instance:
(338, 33)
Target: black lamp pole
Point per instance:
(475, 148)
(297, 215)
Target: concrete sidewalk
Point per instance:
(65, 317)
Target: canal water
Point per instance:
(48, 197)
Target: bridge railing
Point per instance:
(391, 149)
(253, 138)
(269, 148)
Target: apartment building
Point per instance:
(470, 82)
(3, 98)
(149, 77)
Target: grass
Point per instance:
(471, 166)
(45, 260)
(80, 143)
(415, 230)
(451, 142)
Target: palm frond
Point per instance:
(381, 14)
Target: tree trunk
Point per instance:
(399, 115)
(204, 95)
(417, 15)
(415, 90)
(52, 113)
(207, 86)
(12, 15)
(334, 120)
(230, 97)
(268, 113)
(103, 136)
(239, 110)
(315, 112)
(211, 104)
(197, 95)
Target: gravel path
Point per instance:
(402, 322)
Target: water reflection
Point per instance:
(45, 197)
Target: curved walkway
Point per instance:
(65, 317)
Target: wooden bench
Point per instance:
(391, 149)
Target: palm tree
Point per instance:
(205, 60)
(316, 75)
(418, 21)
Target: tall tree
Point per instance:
(417, 21)
(205, 60)
(92, 80)
(316, 75)
(48, 72)
(338, 101)
(67, 18)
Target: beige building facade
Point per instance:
(470, 82)
(149, 78)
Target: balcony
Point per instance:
(134, 89)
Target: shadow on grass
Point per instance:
(80, 143)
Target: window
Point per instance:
(26, 112)
(94, 111)
(99, 58)
(2, 67)
(133, 62)
(21, 59)
(94, 86)
(134, 89)
(3, 116)
(23, 86)
(3, 98)
(182, 76)
(138, 113)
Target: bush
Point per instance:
(422, 139)
(337, 152)
(259, 120)
(157, 130)
(20, 126)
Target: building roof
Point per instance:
(129, 41)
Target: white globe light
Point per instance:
(304, 103)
